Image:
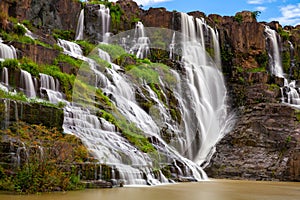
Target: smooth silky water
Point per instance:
(210, 190)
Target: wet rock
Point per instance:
(37, 53)
(32, 113)
(261, 147)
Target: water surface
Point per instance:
(208, 190)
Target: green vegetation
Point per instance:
(63, 58)
(150, 72)
(286, 61)
(10, 64)
(63, 34)
(66, 80)
(262, 60)
(86, 46)
(115, 11)
(238, 18)
(255, 14)
(258, 69)
(19, 30)
(115, 51)
(43, 172)
(22, 39)
(283, 34)
(274, 87)
(30, 66)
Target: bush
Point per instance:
(19, 30)
(30, 66)
(10, 64)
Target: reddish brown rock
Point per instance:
(37, 53)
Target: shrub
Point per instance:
(19, 30)
(10, 64)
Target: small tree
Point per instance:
(255, 14)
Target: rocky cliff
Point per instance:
(265, 143)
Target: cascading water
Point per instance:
(49, 89)
(104, 14)
(201, 97)
(140, 42)
(274, 52)
(80, 26)
(204, 102)
(4, 80)
(26, 84)
(217, 54)
(290, 91)
(7, 52)
(172, 47)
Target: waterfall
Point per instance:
(5, 76)
(4, 84)
(7, 52)
(273, 41)
(80, 26)
(292, 65)
(104, 15)
(172, 47)
(28, 33)
(140, 42)
(70, 48)
(216, 45)
(290, 91)
(49, 89)
(204, 103)
(26, 84)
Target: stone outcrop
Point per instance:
(53, 14)
(265, 143)
(32, 113)
(263, 146)
(243, 37)
(37, 53)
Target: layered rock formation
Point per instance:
(265, 143)
(61, 14)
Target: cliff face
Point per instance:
(265, 143)
(59, 14)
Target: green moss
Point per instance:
(238, 18)
(115, 51)
(286, 61)
(66, 80)
(29, 66)
(63, 34)
(297, 114)
(102, 63)
(10, 64)
(100, 96)
(284, 34)
(68, 59)
(129, 130)
(87, 47)
(16, 96)
(19, 30)
(274, 87)
(142, 73)
(262, 60)
(258, 69)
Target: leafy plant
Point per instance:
(10, 64)
(255, 14)
(87, 47)
(238, 18)
(19, 30)
(29, 66)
